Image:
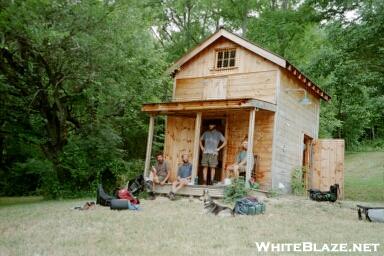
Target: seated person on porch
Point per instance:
(160, 172)
(240, 164)
(184, 175)
(211, 138)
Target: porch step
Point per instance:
(216, 191)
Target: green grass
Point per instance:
(364, 176)
(33, 226)
(165, 227)
(5, 201)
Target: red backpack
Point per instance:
(125, 194)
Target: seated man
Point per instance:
(241, 161)
(160, 172)
(184, 175)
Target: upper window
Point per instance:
(225, 58)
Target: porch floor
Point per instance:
(216, 191)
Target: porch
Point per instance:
(238, 118)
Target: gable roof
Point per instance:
(272, 57)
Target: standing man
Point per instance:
(184, 175)
(210, 148)
(160, 172)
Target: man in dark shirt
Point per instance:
(210, 148)
(184, 175)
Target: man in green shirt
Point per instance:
(241, 161)
(160, 172)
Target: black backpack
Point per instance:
(103, 198)
(330, 195)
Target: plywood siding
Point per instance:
(253, 76)
(179, 138)
(257, 85)
(238, 130)
(328, 165)
(292, 122)
(202, 65)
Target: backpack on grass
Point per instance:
(320, 196)
(103, 198)
(249, 206)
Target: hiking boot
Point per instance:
(151, 196)
(171, 196)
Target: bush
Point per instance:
(235, 190)
(297, 182)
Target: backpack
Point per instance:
(320, 196)
(127, 195)
(103, 198)
(249, 206)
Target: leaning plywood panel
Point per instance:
(328, 165)
(179, 138)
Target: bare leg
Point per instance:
(180, 186)
(205, 170)
(236, 171)
(213, 170)
(174, 185)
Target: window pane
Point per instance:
(219, 63)
(226, 54)
(225, 63)
(232, 62)
(233, 54)
(220, 55)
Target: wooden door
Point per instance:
(328, 164)
(215, 88)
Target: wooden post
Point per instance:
(196, 146)
(251, 132)
(149, 145)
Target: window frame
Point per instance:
(229, 58)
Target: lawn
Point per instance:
(31, 226)
(364, 176)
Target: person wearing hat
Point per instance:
(210, 148)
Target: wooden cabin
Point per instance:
(250, 92)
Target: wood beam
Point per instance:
(196, 146)
(250, 159)
(149, 145)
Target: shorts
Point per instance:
(159, 179)
(209, 160)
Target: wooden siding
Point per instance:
(252, 77)
(292, 122)
(328, 165)
(257, 85)
(179, 138)
(263, 137)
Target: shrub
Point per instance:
(235, 190)
(297, 182)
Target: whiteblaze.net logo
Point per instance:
(315, 247)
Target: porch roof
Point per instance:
(206, 105)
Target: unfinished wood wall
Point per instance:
(179, 138)
(253, 76)
(257, 85)
(292, 122)
(328, 165)
(238, 130)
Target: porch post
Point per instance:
(250, 159)
(149, 145)
(196, 146)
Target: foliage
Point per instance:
(297, 182)
(235, 190)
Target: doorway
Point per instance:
(221, 127)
